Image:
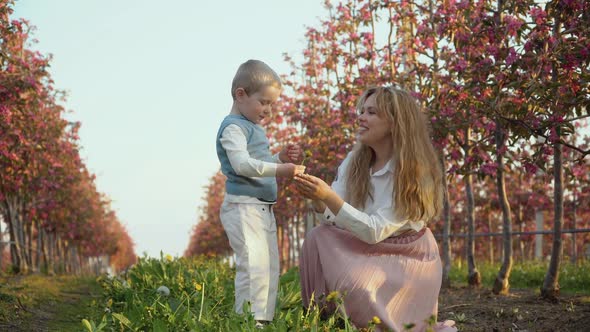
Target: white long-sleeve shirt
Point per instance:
(235, 144)
(377, 221)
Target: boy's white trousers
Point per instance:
(252, 232)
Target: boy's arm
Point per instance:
(235, 144)
(276, 158)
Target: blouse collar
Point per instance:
(387, 168)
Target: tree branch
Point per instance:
(540, 133)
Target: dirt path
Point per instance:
(522, 310)
(42, 303)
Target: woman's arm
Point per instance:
(318, 190)
(370, 228)
(332, 200)
(338, 187)
(318, 206)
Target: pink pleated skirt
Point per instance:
(397, 280)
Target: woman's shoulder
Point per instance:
(344, 163)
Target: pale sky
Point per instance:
(150, 82)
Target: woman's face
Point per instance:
(374, 128)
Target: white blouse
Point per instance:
(377, 221)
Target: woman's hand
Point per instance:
(312, 187)
(318, 190)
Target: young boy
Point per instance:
(251, 187)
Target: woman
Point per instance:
(373, 246)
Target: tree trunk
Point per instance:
(285, 249)
(297, 236)
(473, 277)
(29, 244)
(446, 243)
(1, 242)
(288, 249)
(22, 244)
(408, 58)
(80, 261)
(520, 222)
(66, 253)
(39, 248)
(51, 251)
(71, 259)
(521, 241)
(291, 248)
(44, 249)
(59, 248)
(491, 245)
(550, 288)
(574, 256)
(539, 222)
(13, 225)
(501, 284)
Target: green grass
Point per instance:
(40, 302)
(573, 279)
(200, 298)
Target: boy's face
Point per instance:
(257, 106)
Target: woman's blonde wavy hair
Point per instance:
(417, 189)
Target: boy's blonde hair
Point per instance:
(417, 189)
(254, 75)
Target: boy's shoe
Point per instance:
(260, 324)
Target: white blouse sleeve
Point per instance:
(370, 228)
(339, 187)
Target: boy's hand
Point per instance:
(289, 170)
(292, 153)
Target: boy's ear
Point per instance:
(240, 93)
